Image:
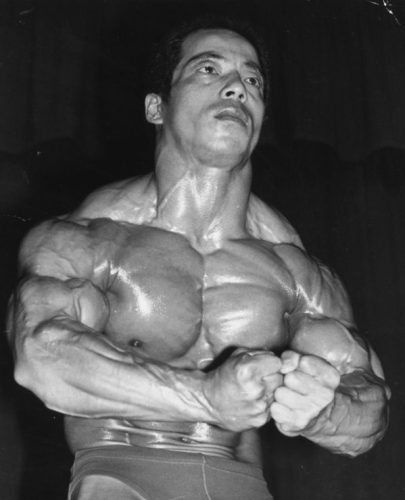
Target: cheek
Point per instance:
(187, 113)
(259, 116)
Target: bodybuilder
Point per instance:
(171, 316)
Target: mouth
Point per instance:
(234, 114)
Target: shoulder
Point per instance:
(268, 224)
(312, 277)
(300, 264)
(308, 272)
(64, 249)
(319, 290)
(87, 239)
(130, 200)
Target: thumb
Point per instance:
(290, 361)
(266, 365)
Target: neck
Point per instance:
(206, 203)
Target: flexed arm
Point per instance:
(56, 322)
(334, 391)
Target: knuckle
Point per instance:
(260, 420)
(324, 394)
(261, 406)
(335, 379)
(307, 362)
(273, 382)
(301, 421)
(278, 394)
(290, 378)
(243, 372)
(328, 397)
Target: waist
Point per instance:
(189, 437)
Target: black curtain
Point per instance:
(331, 159)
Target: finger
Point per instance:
(262, 363)
(291, 420)
(259, 413)
(320, 370)
(271, 382)
(281, 414)
(291, 399)
(288, 429)
(260, 420)
(313, 401)
(290, 361)
(268, 367)
(302, 382)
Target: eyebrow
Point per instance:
(214, 55)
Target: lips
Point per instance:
(233, 113)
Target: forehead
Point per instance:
(224, 42)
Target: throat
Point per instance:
(203, 208)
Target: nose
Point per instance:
(234, 88)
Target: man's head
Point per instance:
(209, 100)
(168, 54)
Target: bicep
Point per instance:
(64, 273)
(321, 323)
(60, 249)
(333, 341)
(39, 299)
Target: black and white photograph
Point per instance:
(202, 247)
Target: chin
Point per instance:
(232, 142)
(225, 147)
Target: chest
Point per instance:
(170, 302)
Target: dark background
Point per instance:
(331, 159)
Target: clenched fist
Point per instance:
(241, 390)
(309, 388)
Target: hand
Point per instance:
(309, 388)
(240, 391)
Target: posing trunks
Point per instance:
(154, 474)
(191, 462)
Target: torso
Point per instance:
(180, 305)
(172, 303)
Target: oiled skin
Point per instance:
(157, 298)
(145, 280)
(124, 304)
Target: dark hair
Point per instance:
(168, 53)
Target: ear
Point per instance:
(153, 109)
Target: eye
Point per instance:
(255, 81)
(208, 69)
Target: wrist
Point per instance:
(196, 401)
(207, 385)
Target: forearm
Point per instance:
(60, 355)
(77, 371)
(357, 417)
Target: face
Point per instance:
(215, 110)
